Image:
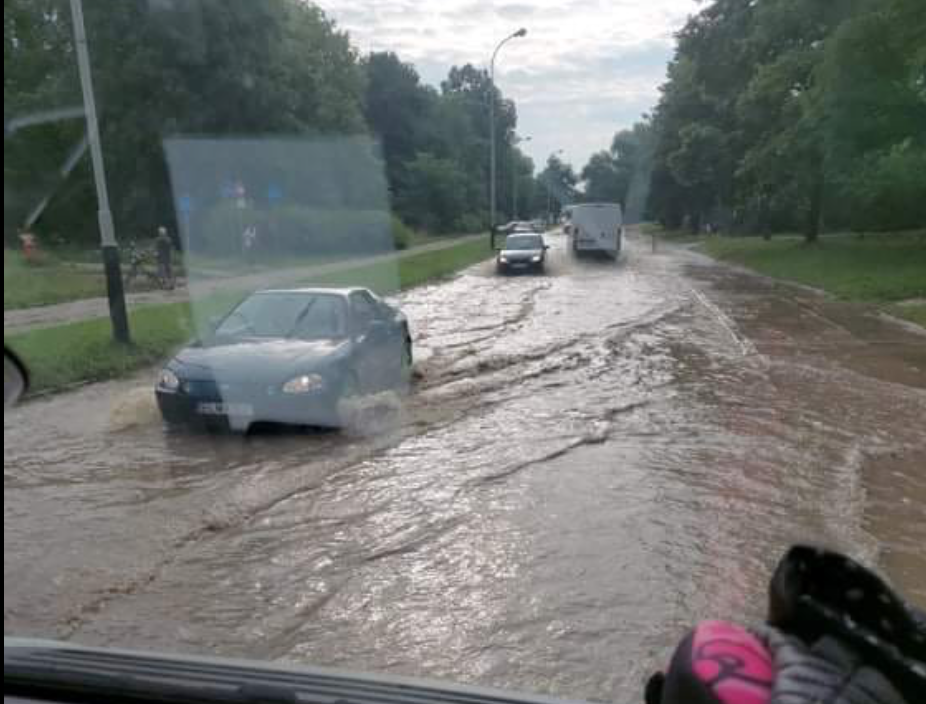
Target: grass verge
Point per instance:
(883, 268)
(915, 313)
(651, 229)
(82, 352)
(46, 283)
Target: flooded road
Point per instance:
(591, 461)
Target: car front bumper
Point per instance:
(518, 267)
(240, 412)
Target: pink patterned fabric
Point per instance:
(733, 663)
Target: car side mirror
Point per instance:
(15, 379)
(546, 248)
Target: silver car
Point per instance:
(522, 252)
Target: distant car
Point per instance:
(288, 357)
(516, 226)
(522, 252)
(511, 228)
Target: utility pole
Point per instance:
(550, 187)
(110, 249)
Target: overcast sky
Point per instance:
(586, 69)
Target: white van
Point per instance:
(598, 227)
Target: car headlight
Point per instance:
(305, 384)
(537, 259)
(503, 260)
(169, 381)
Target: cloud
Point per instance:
(586, 69)
(517, 11)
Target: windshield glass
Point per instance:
(281, 315)
(523, 242)
(491, 341)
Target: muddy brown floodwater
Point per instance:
(591, 461)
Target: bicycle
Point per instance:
(141, 265)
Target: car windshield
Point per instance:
(523, 242)
(284, 315)
(491, 341)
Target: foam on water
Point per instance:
(134, 408)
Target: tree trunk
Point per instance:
(815, 212)
(695, 223)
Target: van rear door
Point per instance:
(598, 227)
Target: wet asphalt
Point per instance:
(591, 460)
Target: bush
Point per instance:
(886, 189)
(433, 195)
(402, 234)
(471, 224)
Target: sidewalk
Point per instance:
(18, 321)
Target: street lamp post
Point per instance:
(493, 165)
(114, 288)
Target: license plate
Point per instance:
(230, 410)
(519, 265)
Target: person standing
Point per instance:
(249, 245)
(30, 246)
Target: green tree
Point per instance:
(697, 143)
(623, 172)
(469, 91)
(251, 72)
(873, 94)
(39, 81)
(399, 111)
(674, 200)
(602, 180)
(772, 111)
(207, 67)
(212, 67)
(632, 151)
(558, 181)
(522, 172)
(780, 107)
(436, 191)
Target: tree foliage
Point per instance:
(274, 70)
(559, 182)
(622, 174)
(437, 140)
(794, 114)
